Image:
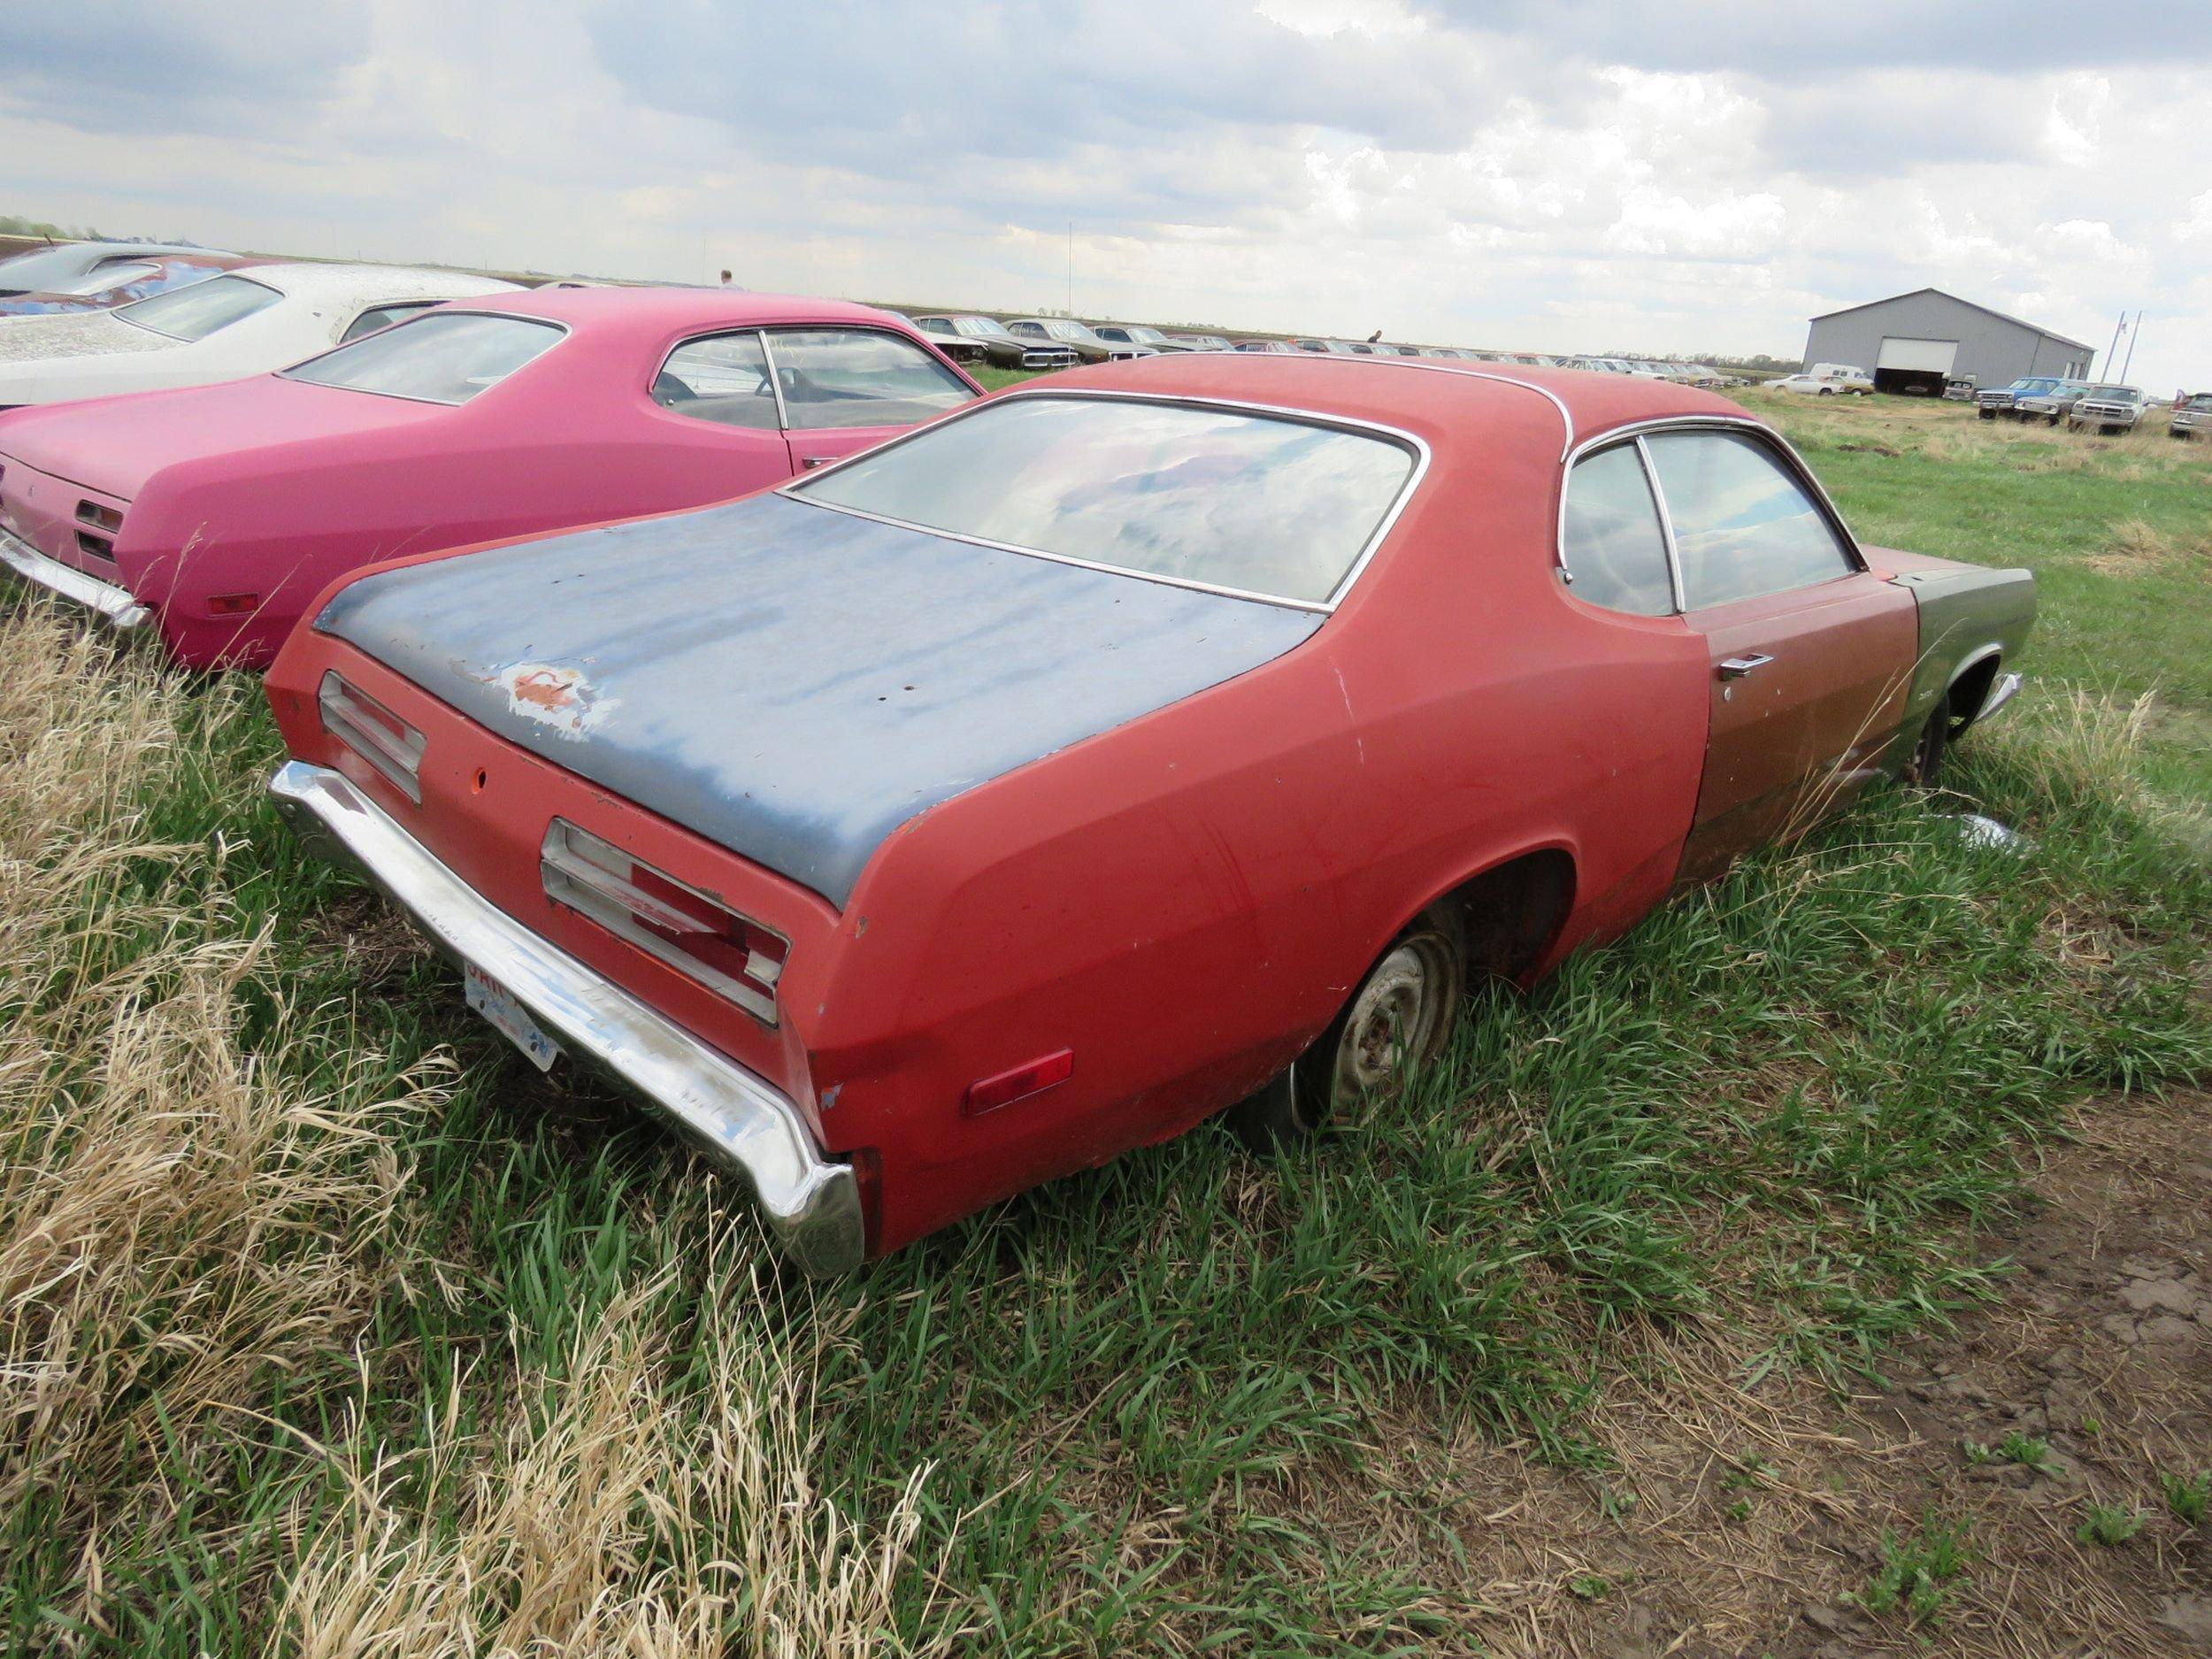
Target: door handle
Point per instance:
(809, 462)
(1737, 667)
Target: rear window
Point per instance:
(1262, 505)
(197, 311)
(446, 357)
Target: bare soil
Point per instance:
(1748, 1518)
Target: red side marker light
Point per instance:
(233, 604)
(987, 1094)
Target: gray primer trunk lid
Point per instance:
(790, 681)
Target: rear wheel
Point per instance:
(1400, 1017)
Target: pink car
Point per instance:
(217, 514)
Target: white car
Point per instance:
(1829, 380)
(244, 322)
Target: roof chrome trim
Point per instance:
(1566, 416)
(1418, 447)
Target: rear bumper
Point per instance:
(811, 1203)
(116, 606)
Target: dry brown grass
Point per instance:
(176, 1217)
(618, 1509)
(2138, 549)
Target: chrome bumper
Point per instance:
(811, 1204)
(116, 606)
(2004, 691)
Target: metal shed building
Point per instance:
(1915, 341)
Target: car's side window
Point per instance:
(723, 377)
(1742, 525)
(859, 377)
(378, 317)
(1614, 548)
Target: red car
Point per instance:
(1174, 736)
(214, 513)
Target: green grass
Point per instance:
(1917, 1569)
(2109, 1525)
(1148, 1406)
(1932, 479)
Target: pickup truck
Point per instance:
(2192, 415)
(2109, 409)
(1166, 738)
(2000, 400)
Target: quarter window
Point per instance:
(859, 377)
(1742, 525)
(1614, 547)
(724, 380)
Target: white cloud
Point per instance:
(1577, 174)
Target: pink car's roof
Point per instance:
(616, 338)
(647, 311)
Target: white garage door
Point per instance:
(1933, 356)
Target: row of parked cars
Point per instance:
(916, 796)
(2100, 406)
(1049, 342)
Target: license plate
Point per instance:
(497, 1003)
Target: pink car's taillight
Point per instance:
(374, 733)
(698, 935)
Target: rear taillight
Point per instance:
(374, 733)
(697, 935)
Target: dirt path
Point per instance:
(1752, 1521)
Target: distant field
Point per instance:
(328, 1327)
(2118, 532)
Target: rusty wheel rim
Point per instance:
(1399, 1014)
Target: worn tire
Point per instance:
(1984, 414)
(1924, 769)
(1421, 977)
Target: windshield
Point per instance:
(1069, 331)
(978, 327)
(2113, 394)
(1145, 334)
(1261, 505)
(2202, 400)
(197, 311)
(446, 357)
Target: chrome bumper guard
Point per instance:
(2004, 691)
(116, 606)
(811, 1204)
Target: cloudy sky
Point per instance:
(1543, 175)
